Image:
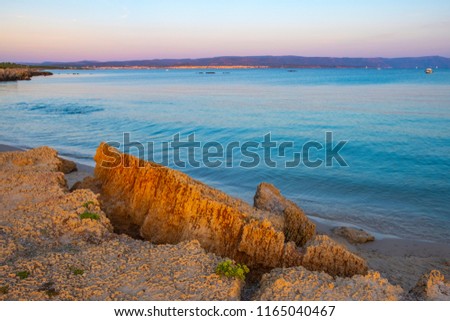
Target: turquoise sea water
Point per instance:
(396, 122)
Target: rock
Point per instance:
(162, 205)
(299, 284)
(65, 257)
(166, 206)
(90, 183)
(354, 235)
(14, 74)
(269, 198)
(324, 254)
(67, 166)
(431, 287)
(297, 227)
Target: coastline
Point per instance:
(71, 178)
(401, 261)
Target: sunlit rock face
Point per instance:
(162, 205)
(167, 206)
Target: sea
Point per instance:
(357, 147)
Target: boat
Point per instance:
(428, 71)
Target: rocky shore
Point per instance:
(147, 232)
(14, 74)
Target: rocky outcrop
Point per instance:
(324, 254)
(354, 235)
(298, 283)
(162, 205)
(13, 74)
(57, 245)
(431, 287)
(166, 206)
(297, 227)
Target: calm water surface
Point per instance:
(396, 122)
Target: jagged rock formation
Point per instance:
(162, 205)
(297, 227)
(300, 284)
(431, 287)
(354, 235)
(166, 206)
(324, 254)
(50, 252)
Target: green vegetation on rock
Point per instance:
(230, 269)
(86, 205)
(22, 274)
(89, 215)
(76, 271)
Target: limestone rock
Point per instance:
(166, 206)
(324, 254)
(354, 235)
(66, 166)
(431, 287)
(299, 284)
(64, 257)
(297, 227)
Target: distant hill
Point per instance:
(271, 62)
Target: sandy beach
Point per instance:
(400, 261)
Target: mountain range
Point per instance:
(269, 62)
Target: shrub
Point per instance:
(77, 271)
(22, 274)
(4, 289)
(90, 215)
(86, 205)
(230, 269)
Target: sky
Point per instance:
(105, 30)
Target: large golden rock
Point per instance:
(163, 205)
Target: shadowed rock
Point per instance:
(354, 235)
(324, 254)
(67, 166)
(431, 287)
(297, 227)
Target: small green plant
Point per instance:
(232, 270)
(22, 274)
(86, 205)
(77, 271)
(4, 289)
(90, 215)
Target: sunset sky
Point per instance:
(36, 31)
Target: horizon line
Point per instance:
(225, 56)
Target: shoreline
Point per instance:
(400, 260)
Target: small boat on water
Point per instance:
(428, 71)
